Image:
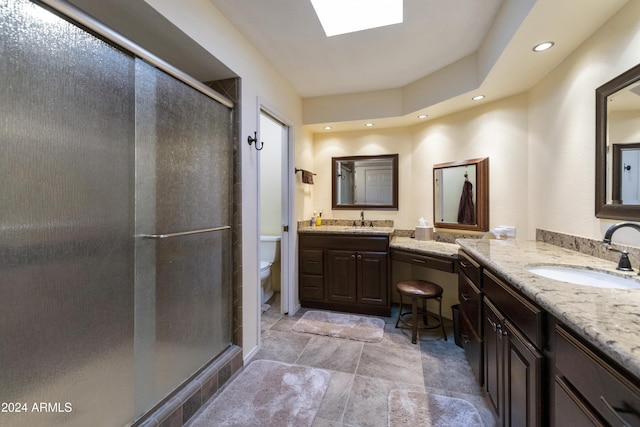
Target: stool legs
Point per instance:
(414, 317)
(444, 333)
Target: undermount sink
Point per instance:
(585, 277)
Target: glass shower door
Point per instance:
(183, 250)
(66, 223)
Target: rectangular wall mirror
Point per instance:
(461, 195)
(365, 182)
(618, 147)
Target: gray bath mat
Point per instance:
(268, 394)
(429, 410)
(360, 328)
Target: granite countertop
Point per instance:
(608, 318)
(345, 229)
(426, 247)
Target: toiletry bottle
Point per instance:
(319, 219)
(313, 219)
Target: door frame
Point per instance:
(288, 295)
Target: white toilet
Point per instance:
(269, 253)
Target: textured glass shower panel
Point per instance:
(183, 183)
(66, 222)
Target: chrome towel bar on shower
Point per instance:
(184, 233)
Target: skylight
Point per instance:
(348, 16)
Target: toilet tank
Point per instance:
(270, 248)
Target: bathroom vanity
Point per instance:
(345, 269)
(548, 352)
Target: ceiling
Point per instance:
(435, 33)
(418, 58)
(445, 52)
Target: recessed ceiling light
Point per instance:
(422, 116)
(327, 128)
(348, 16)
(368, 125)
(478, 97)
(543, 46)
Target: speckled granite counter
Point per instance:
(608, 318)
(342, 229)
(426, 247)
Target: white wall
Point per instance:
(203, 22)
(496, 130)
(370, 142)
(562, 130)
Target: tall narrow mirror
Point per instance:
(461, 194)
(365, 182)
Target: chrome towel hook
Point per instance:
(255, 140)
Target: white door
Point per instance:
(275, 189)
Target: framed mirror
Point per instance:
(365, 182)
(461, 195)
(618, 147)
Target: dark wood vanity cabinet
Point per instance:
(345, 273)
(535, 370)
(588, 389)
(470, 311)
(513, 359)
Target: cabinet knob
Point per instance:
(353, 257)
(359, 256)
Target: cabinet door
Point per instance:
(373, 286)
(522, 379)
(493, 360)
(340, 277)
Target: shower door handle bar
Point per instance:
(185, 233)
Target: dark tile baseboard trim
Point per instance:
(179, 409)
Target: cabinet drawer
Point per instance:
(311, 261)
(471, 268)
(569, 410)
(425, 260)
(599, 383)
(470, 301)
(524, 315)
(311, 287)
(344, 241)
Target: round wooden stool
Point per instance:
(420, 290)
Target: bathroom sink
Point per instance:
(585, 277)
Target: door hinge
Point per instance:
(285, 228)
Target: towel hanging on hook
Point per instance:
(307, 177)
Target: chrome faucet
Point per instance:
(623, 264)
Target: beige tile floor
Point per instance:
(364, 373)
